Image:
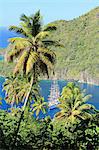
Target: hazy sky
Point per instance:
(10, 10)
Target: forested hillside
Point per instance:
(79, 59)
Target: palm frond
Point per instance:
(85, 116)
(61, 106)
(52, 43)
(37, 112)
(20, 62)
(18, 30)
(36, 23)
(77, 104)
(47, 51)
(13, 53)
(41, 35)
(60, 115)
(85, 107)
(19, 40)
(24, 18)
(33, 57)
(76, 112)
(46, 61)
(86, 98)
(27, 29)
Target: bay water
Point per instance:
(45, 91)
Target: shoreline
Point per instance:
(69, 80)
(73, 80)
(90, 83)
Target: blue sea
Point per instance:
(45, 91)
(5, 34)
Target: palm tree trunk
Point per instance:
(34, 74)
(22, 114)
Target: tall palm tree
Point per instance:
(31, 50)
(73, 104)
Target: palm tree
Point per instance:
(39, 105)
(73, 104)
(17, 89)
(31, 50)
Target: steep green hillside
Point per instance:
(80, 57)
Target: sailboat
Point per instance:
(54, 95)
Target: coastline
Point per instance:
(90, 83)
(73, 80)
(69, 80)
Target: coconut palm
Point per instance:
(31, 50)
(73, 104)
(39, 105)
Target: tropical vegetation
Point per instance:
(74, 127)
(79, 59)
(72, 104)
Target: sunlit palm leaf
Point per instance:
(42, 35)
(33, 57)
(19, 41)
(85, 107)
(20, 62)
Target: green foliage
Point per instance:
(80, 57)
(76, 125)
(8, 126)
(77, 136)
(52, 134)
(73, 104)
(31, 51)
(17, 89)
(39, 105)
(32, 58)
(47, 134)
